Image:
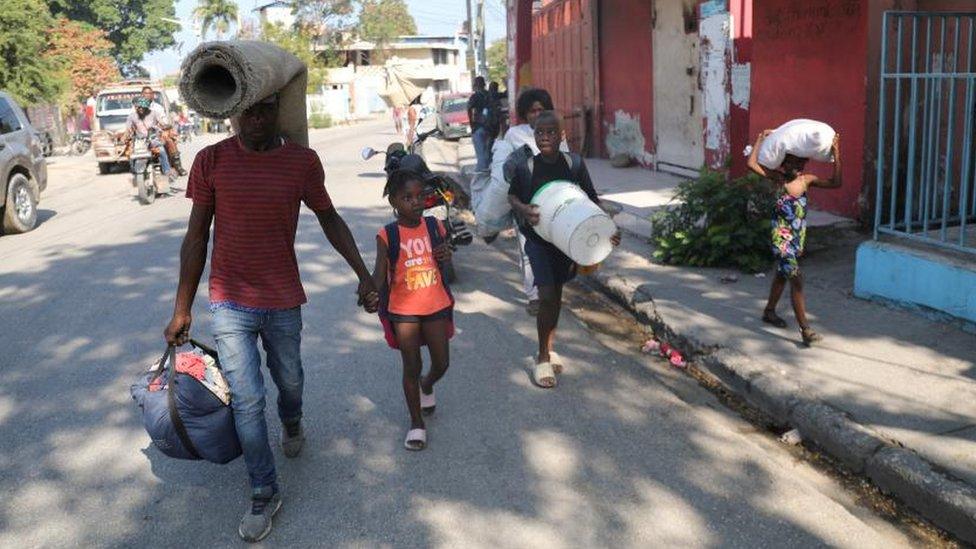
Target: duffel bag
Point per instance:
(184, 418)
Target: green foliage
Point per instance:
(497, 54)
(215, 14)
(382, 21)
(320, 121)
(25, 71)
(299, 41)
(135, 27)
(717, 223)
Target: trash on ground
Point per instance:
(729, 279)
(760, 275)
(650, 346)
(791, 437)
(665, 350)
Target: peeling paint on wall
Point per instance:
(624, 136)
(741, 87)
(716, 42)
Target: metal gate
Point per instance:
(926, 163)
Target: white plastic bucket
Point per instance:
(573, 223)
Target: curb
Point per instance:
(947, 502)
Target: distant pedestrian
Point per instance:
(398, 120)
(416, 304)
(478, 109)
(550, 266)
(413, 118)
(789, 230)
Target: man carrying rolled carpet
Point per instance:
(250, 187)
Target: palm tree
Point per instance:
(216, 14)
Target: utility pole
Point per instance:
(472, 60)
(482, 56)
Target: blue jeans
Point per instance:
(480, 140)
(237, 333)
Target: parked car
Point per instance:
(112, 107)
(452, 115)
(23, 168)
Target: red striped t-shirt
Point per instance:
(256, 198)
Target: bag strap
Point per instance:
(392, 246)
(575, 163)
(174, 414)
(435, 239)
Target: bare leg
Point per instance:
(408, 337)
(775, 292)
(435, 334)
(799, 300)
(550, 303)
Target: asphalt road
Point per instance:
(613, 457)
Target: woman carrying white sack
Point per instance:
(490, 201)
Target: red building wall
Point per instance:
(564, 63)
(626, 70)
(809, 60)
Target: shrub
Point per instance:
(320, 121)
(717, 223)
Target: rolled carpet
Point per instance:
(223, 79)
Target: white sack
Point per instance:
(800, 137)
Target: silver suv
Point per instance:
(23, 168)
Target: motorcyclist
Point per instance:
(143, 123)
(169, 135)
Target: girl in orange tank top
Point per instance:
(418, 303)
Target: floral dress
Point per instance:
(789, 233)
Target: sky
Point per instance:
(435, 17)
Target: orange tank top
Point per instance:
(416, 287)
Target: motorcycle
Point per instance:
(80, 142)
(439, 198)
(147, 175)
(185, 132)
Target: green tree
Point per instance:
(299, 41)
(134, 27)
(215, 14)
(29, 75)
(497, 55)
(382, 21)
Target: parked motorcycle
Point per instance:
(147, 175)
(80, 142)
(440, 200)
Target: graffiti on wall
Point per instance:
(810, 17)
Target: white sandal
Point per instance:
(556, 361)
(543, 371)
(427, 402)
(416, 440)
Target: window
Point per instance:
(440, 56)
(8, 120)
(121, 101)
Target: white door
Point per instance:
(677, 98)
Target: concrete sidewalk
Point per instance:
(889, 393)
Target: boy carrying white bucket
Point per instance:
(551, 266)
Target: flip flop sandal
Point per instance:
(556, 361)
(544, 376)
(416, 440)
(770, 317)
(810, 337)
(427, 402)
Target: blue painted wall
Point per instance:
(912, 277)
